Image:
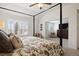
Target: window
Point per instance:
(23, 28)
(17, 27)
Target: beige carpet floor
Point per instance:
(71, 52)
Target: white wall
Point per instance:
(70, 12)
(15, 17)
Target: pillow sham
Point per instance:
(16, 42)
(5, 44)
(4, 32)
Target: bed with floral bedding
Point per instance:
(33, 46)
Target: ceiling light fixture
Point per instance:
(40, 5)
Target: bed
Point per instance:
(34, 46)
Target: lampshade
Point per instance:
(2, 24)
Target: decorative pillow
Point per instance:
(16, 42)
(5, 44)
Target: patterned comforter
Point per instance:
(34, 46)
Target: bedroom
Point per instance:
(22, 25)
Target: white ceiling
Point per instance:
(24, 7)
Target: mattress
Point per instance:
(34, 46)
